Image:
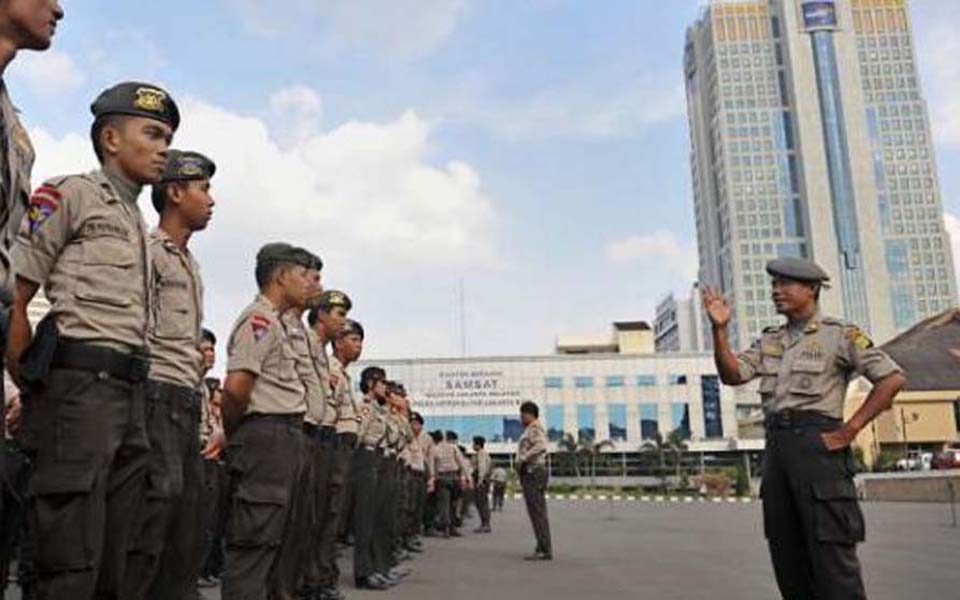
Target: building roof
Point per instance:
(631, 326)
(929, 353)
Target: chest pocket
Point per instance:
(107, 274)
(287, 363)
(807, 377)
(175, 318)
(769, 369)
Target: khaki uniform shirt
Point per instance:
(345, 406)
(177, 313)
(316, 393)
(260, 344)
(426, 445)
(209, 420)
(391, 438)
(447, 459)
(328, 416)
(372, 426)
(499, 475)
(16, 162)
(810, 368)
(86, 243)
(483, 465)
(415, 454)
(532, 446)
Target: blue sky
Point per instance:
(537, 149)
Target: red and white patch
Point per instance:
(260, 326)
(44, 202)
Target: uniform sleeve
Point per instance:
(864, 358)
(50, 222)
(535, 446)
(749, 361)
(254, 339)
(428, 458)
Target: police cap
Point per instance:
(137, 99)
(184, 165)
(797, 269)
(351, 327)
(331, 298)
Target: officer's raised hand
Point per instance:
(716, 306)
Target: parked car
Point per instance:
(916, 461)
(948, 459)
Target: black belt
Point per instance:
(347, 440)
(178, 394)
(131, 367)
(290, 420)
(796, 419)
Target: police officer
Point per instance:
(368, 573)
(531, 464)
(482, 469)
(417, 463)
(22, 27)
(85, 240)
(448, 470)
(347, 349)
(169, 523)
(811, 517)
(263, 406)
(327, 320)
(296, 546)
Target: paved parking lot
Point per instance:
(669, 551)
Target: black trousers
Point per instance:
(499, 491)
(364, 476)
(481, 496)
(811, 517)
(386, 502)
(341, 456)
(533, 480)
(214, 512)
(418, 491)
(265, 462)
(14, 542)
(87, 431)
(445, 486)
(163, 561)
(296, 548)
(322, 442)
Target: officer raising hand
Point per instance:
(811, 517)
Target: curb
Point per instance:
(646, 499)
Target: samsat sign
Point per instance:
(819, 14)
(469, 390)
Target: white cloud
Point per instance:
(393, 229)
(395, 29)
(937, 54)
(610, 106)
(296, 114)
(661, 246)
(49, 73)
(952, 223)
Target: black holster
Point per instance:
(37, 358)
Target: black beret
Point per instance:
(351, 327)
(417, 417)
(797, 269)
(187, 166)
(282, 253)
(331, 298)
(137, 99)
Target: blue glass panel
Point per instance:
(712, 416)
(646, 380)
(615, 381)
(676, 379)
(617, 421)
(649, 421)
(680, 415)
(553, 382)
(555, 422)
(586, 425)
(583, 382)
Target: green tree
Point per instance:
(659, 447)
(569, 449)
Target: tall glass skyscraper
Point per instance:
(810, 137)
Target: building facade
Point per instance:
(810, 137)
(625, 398)
(677, 326)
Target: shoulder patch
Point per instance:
(43, 203)
(260, 326)
(858, 338)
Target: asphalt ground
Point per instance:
(666, 551)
